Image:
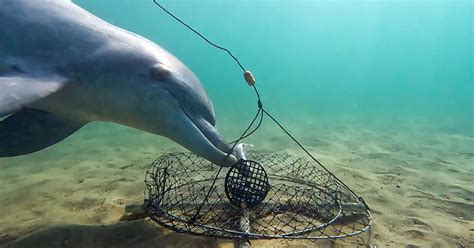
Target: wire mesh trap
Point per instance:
(280, 196)
(262, 196)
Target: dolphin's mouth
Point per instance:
(200, 136)
(212, 136)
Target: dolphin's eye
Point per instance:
(160, 73)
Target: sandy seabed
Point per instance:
(417, 179)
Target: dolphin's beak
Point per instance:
(201, 136)
(203, 139)
(193, 126)
(162, 113)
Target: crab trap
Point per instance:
(264, 196)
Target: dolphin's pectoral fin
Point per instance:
(31, 130)
(17, 90)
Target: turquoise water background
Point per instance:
(369, 60)
(380, 91)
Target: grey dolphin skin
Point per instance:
(62, 67)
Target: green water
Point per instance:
(367, 86)
(324, 59)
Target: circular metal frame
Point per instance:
(314, 206)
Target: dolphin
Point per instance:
(61, 67)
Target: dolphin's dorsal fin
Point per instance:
(18, 90)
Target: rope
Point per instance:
(311, 156)
(200, 35)
(260, 111)
(192, 219)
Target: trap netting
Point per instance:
(265, 196)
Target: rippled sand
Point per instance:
(416, 178)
